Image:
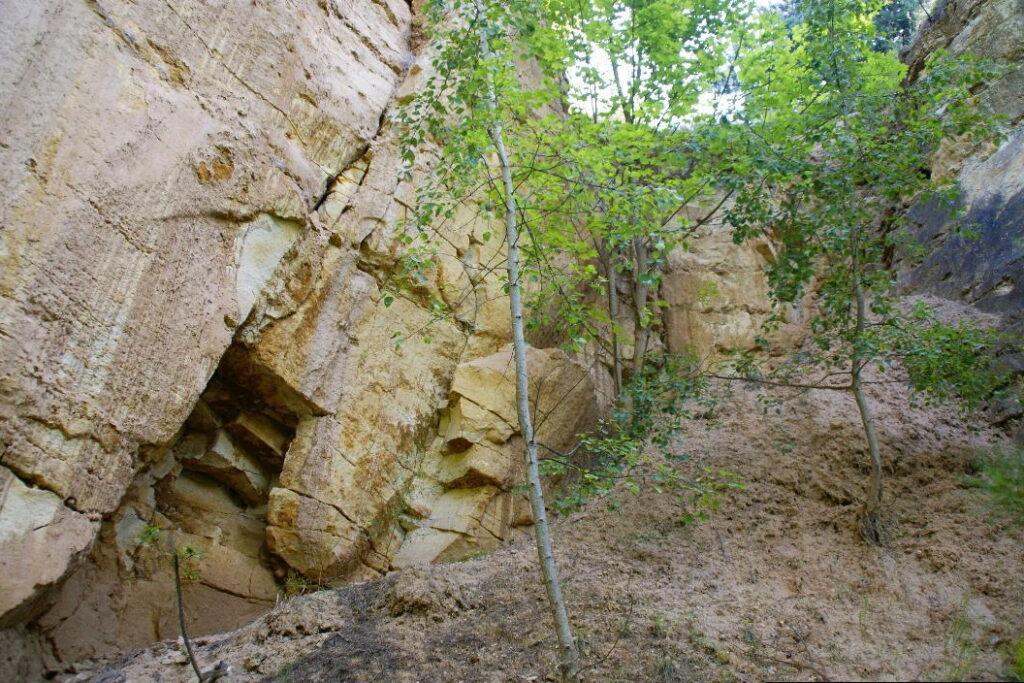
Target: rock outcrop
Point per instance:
(202, 334)
(38, 536)
(717, 300)
(464, 501)
(204, 208)
(985, 270)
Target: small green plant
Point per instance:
(864, 616)
(660, 626)
(1001, 478)
(750, 637)
(187, 558)
(150, 535)
(183, 561)
(667, 667)
(297, 584)
(960, 649)
(694, 632)
(1018, 660)
(178, 557)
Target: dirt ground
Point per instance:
(776, 585)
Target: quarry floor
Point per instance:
(775, 585)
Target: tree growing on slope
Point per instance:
(571, 188)
(826, 178)
(465, 108)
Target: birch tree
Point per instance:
(465, 107)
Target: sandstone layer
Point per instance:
(161, 162)
(203, 334)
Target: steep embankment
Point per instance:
(775, 585)
(985, 270)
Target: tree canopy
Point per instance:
(627, 125)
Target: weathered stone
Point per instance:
(163, 166)
(312, 536)
(426, 546)
(985, 272)
(39, 537)
(123, 595)
(261, 436)
(497, 518)
(98, 611)
(21, 657)
(264, 242)
(481, 465)
(225, 569)
(203, 507)
(717, 295)
(233, 466)
(460, 510)
(466, 423)
(561, 392)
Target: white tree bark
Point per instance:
(568, 654)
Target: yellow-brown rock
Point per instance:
(717, 295)
(37, 533)
(166, 167)
(477, 457)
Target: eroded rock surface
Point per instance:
(37, 534)
(985, 270)
(204, 216)
(165, 163)
(464, 501)
(717, 298)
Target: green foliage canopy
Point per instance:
(678, 111)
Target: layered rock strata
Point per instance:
(204, 208)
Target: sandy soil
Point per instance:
(775, 585)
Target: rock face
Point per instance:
(160, 163)
(987, 272)
(717, 298)
(202, 210)
(202, 336)
(37, 533)
(463, 503)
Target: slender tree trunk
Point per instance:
(871, 523)
(568, 654)
(606, 254)
(613, 313)
(642, 333)
(181, 608)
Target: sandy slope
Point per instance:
(777, 585)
